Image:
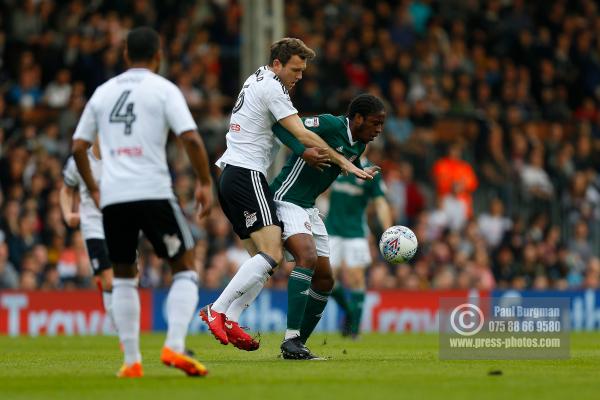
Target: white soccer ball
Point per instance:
(398, 244)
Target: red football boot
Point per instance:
(215, 322)
(239, 338)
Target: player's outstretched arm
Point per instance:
(196, 151)
(83, 166)
(316, 157)
(65, 199)
(384, 212)
(294, 125)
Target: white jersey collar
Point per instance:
(352, 142)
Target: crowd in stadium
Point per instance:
(491, 149)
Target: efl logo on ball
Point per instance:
(398, 244)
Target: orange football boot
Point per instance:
(183, 361)
(131, 371)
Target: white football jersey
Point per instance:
(90, 216)
(262, 101)
(132, 113)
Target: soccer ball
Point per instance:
(398, 244)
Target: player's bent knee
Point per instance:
(268, 241)
(302, 248)
(276, 253)
(307, 259)
(323, 284)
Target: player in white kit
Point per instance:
(243, 190)
(90, 218)
(132, 114)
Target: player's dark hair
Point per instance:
(285, 48)
(365, 105)
(142, 44)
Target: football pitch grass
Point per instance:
(390, 366)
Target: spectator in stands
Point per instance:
(494, 225)
(25, 238)
(27, 93)
(580, 251)
(536, 185)
(523, 79)
(495, 168)
(58, 92)
(9, 278)
(452, 175)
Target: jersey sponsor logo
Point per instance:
(340, 149)
(250, 218)
(234, 127)
(172, 243)
(228, 325)
(311, 122)
(127, 151)
(307, 226)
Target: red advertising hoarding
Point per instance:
(408, 311)
(61, 313)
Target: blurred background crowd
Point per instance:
(491, 149)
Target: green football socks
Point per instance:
(339, 295)
(357, 299)
(315, 306)
(298, 289)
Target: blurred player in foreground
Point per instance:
(132, 114)
(90, 217)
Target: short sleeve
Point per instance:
(177, 112)
(323, 125)
(87, 127)
(278, 101)
(70, 174)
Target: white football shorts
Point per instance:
(353, 252)
(303, 220)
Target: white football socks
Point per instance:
(108, 307)
(251, 273)
(182, 301)
(241, 303)
(291, 333)
(126, 313)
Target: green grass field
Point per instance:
(376, 367)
